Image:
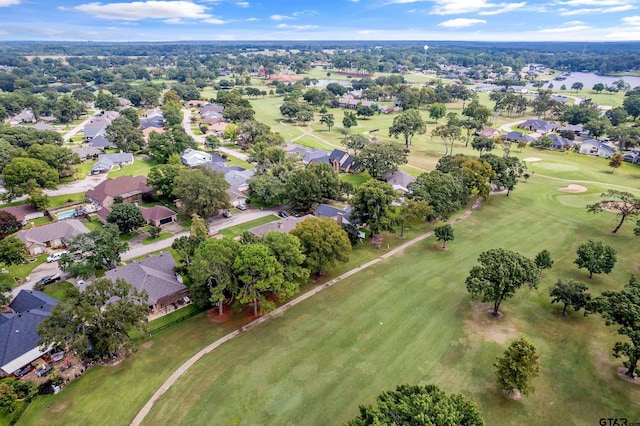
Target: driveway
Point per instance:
(37, 273)
(71, 133)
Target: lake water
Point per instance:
(591, 79)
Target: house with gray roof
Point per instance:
(156, 276)
(596, 148)
(332, 212)
(45, 238)
(286, 224)
(399, 180)
(98, 126)
(106, 162)
(341, 161)
(19, 330)
(539, 126)
(559, 143)
(192, 157)
(86, 152)
(101, 142)
(25, 116)
(514, 136)
(43, 127)
(238, 185)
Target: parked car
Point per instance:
(283, 214)
(22, 371)
(241, 207)
(226, 214)
(41, 372)
(55, 256)
(48, 279)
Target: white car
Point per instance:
(55, 256)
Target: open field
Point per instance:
(410, 319)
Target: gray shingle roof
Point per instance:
(154, 274)
(62, 230)
(28, 300)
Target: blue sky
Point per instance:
(164, 20)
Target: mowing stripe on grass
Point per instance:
(184, 367)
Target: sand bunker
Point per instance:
(531, 159)
(573, 188)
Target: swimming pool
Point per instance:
(66, 214)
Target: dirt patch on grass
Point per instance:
(482, 322)
(515, 395)
(573, 188)
(623, 376)
(532, 159)
(146, 345)
(213, 315)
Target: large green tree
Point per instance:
(23, 174)
(126, 217)
(211, 271)
(201, 191)
(13, 251)
(124, 134)
(418, 405)
(445, 192)
(174, 141)
(381, 158)
(517, 367)
(303, 189)
(259, 275)
(408, 124)
(437, 111)
(324, 243)
(355, 142)
(88, 253)
(8, 224)
(623, 203)
(596, 257)
(161, 178)
(288, 251)
(570, 293)
(622, 309)
(500, 274)
(86, 322)
(371, 204)
(57, 157)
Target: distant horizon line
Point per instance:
(319, 41)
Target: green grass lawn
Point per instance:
(162, 236)
(41, 220)
(23, 270)
(235, 161)
(356, 179)
(236, 231)
(410, 320)
(58, 290)
(129, 236)
(139, 167)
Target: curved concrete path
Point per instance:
(184, 367)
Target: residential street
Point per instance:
(71, 133)
(186, 124)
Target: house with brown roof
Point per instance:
(45, 238)
(157, 277)
(158, 215)
(130, 188)
(23, 212)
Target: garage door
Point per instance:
(166, 220)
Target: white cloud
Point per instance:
(461, 23)
(632, 20)
(5, 3)
(252, 19)
(508, 7)
(243, 4)
(599, 3)
(214, 21)
(3, 32)
(586, 11)
(138, 10)
(567, 28)
(279, 17)
(297, 27)
(454, 7)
